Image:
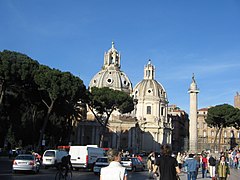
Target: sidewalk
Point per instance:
(234, 175)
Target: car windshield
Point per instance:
(25, 158)
(50, 154)
(125, 159)
(102, 160)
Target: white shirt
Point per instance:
(114, 171)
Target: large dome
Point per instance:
(111, 76)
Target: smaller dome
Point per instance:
(149, 88)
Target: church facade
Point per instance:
(147, 127)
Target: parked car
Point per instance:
(132, 164)
(51, 158)
(100, 162)
(26, 162)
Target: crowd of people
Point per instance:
(166, 166)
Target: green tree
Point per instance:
(222, 116)
(103, 101)
(26, 89)
(16, 72)
(16, 76)
(56, 85)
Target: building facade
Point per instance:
(146, 128)
(152, 111)
(180, 133)
(206, 135)
(237, 100)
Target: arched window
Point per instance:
(204, 134)
(149, 110)
(212, 133)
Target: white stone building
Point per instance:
(147, 127)
(151, 111)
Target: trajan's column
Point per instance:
(193, 91)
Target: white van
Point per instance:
(85, 156)
(52, 157)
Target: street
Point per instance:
(45, 174)
(6, 173)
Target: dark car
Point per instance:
(101, 162)
(132, 164)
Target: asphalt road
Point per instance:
(45, 174)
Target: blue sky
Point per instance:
(180, 37)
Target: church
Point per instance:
(147, 127)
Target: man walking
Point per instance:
(191, 164)
(114, 170)
(212, 164)
(168, 165)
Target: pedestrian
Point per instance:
(10, 153)
(204, 166)
(180, 160)
(139, 158)
(114, 170)
(197, 157)
(238, 158)
(192, 165)
(150, 164)
(167, 165)
(222, 169)
(212, 164)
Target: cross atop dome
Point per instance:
(149, 61)
(113, 45)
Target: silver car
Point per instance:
(26, 162)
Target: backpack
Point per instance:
(212, 161)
